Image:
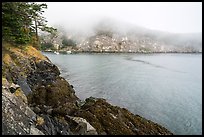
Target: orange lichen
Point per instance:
(7, 59)
(19, 93)
(40, 121)
(31, 51)
(25, 51)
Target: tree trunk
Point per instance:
(36, 34)
(36, 30)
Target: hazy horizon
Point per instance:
(179, 17)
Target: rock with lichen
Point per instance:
(16, 116)
(113, 120)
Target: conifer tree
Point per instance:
(21, 21)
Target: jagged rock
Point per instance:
(48, 87)
(114, 120)
(16, 116)
(22, 81)
(82, 126)
(54, 126)
(14, 88)
(46, 66)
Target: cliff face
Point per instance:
(146, 43)
(36, 100)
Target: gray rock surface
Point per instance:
(16, 116)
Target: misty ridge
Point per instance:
(108, 34)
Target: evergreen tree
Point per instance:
(68, 42)
(14, 22)
(21, 21)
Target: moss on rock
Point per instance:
(19, 93)
(114, 120)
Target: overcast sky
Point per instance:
(183, 17)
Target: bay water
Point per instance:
(164, 88)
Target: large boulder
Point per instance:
(113, 120)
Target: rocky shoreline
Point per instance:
(118, 52)
(36, 100)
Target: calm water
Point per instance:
(165, 88)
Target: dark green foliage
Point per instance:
(47, 45)
(15, 21)
(21, 20)
(68, 42)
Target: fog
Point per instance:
(173, 23)
(176, 17)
